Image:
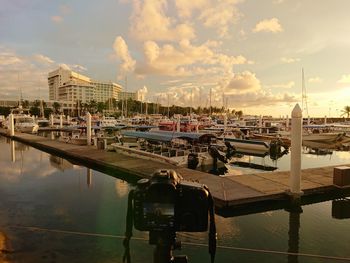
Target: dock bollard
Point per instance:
(88, 128)
(11, 126)
(295, 161)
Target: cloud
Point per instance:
(185, 60)
(143, 93)
(345, 79)
(220, 15)
(57, 19)
(289, 60)
(150, 22)
(287, 85)
(241, 83)
(315, 80)
(268, 25)
(122, 51)
(25, 73)
(43, 59)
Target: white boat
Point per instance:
(23, 122)
(164, 147)
(249, 147)
(328, 137)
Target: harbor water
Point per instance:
(53, 210)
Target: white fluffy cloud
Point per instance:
(149, 21)
(268, 25)
(241, 83)
(122, 51)
(185, 59)
(25, 73)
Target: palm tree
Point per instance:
(56, 106)
(346, 111)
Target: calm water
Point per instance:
(72, 208)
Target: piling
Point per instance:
(61, 121)
(88, 128)
(295, 161)
(178, 124)
(51, 120)
(11, 125)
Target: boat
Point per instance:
(249, 147)
(177, 148)
(327, 137)
(23, 122)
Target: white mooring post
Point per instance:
(295, 161)
(308, 120)
(178, 123)
(325, 120)
(88, 128)
(51, 120)
(287, 122)
(61, 121)
(11, 125)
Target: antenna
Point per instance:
(210, 103)
(304, 96)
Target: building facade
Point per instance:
(69, 88)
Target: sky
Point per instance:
(249, 54)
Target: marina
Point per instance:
(227, 191)
(138, 131)
(53, 207)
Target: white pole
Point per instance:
(61, 121)
(88, 128)
(325, 120)
(51, 120)
(260, 123)
(225, 122)
(11, 125)
(308, 120)
(296, 141)
(178, 123)
(68, 119)
(287, 122)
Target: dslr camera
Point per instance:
(166, 202)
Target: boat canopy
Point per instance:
(165, 136)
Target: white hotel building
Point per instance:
(68, 87)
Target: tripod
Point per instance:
(165, 242)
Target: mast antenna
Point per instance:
(304, 95)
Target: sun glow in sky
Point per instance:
(249, 53)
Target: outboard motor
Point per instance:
(213, 151)
(192, 160)
(231, 150)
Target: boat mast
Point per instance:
(304, 96)
(210, 102)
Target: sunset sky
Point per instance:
(250, 53)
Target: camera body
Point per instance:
(165, 202)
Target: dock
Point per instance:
(233, 195)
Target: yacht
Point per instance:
(23, 122)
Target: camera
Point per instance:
(167, 202)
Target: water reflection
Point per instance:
(293, 233)
(13, 151)
(89, 177)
